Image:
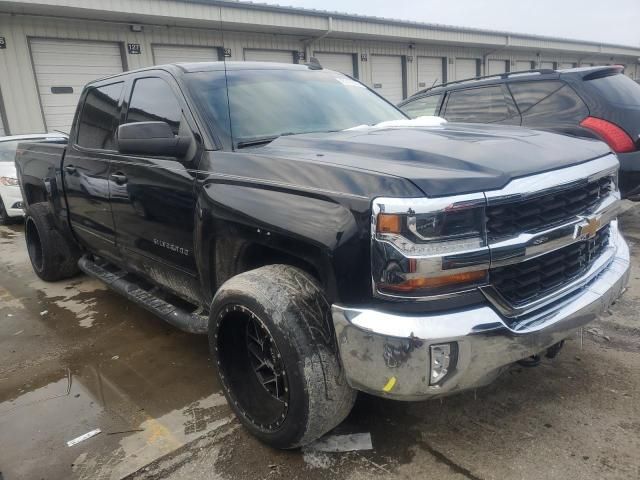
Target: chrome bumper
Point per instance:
(387, 354)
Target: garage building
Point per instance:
(50, 49)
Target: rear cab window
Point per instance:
(479, 105)
(99, 117)
(423, 106)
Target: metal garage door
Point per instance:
(522, 65)
(466, 68)
(548, 65)
(278, 56)
(566, 65)
(386, 76)
(163, 54)
(497, 67)
(340, 62)
(63, 68)
(430, 71)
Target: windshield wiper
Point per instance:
(255, 142)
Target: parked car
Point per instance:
(326, 244)
(595, 102)
(10, 196)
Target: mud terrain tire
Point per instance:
(279, 314)
(54, 256)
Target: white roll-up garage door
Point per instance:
(278, 56)
(340, 62)
(497, 67)
(430, 71)
(546, 65)
(163, 54)
(522, 65)
(63, 68)
(466, 68)
(386, 76)
(565, 65)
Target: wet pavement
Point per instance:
(75, 356)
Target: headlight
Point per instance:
(426, 247)
(8, 181)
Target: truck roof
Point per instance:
(191, 67)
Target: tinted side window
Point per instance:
(422, 106)
(527, 94)
(562, 106)
(477, 105)
(99, 118)
(153, 100)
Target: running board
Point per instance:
(191, 322)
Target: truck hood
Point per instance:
(442, 160)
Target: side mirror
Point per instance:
(151, 138)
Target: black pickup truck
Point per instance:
(323, 241)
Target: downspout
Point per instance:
(307, 43)
(485, 61)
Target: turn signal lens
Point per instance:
(616, 137)
(389, 223)
(412, 284)
(443, 360)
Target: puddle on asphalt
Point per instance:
(129, 373)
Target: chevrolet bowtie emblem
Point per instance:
(589, 229)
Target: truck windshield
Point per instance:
(265, 104)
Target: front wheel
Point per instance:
(273, 342)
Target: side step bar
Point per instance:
(193, 322)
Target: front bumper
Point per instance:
(387, 354)
(12, 200)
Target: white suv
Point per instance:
(10, 196)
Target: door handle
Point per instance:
(70, 169)
(119, 178)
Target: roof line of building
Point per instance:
(406, 23)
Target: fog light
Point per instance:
(443, 360)
(17, 205)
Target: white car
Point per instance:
(10, 196)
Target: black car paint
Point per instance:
(190, 225)
(565, 120)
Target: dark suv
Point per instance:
(598, 102)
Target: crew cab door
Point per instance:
(86, 168)
(152, 198)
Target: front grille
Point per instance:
(545, 210)
(530, 280)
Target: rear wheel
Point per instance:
(54, 256)
(273, 343)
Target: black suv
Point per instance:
(598, 102)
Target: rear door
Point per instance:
(152, 198)
(86, 168)
(163, 54)
(489, 104)
(340, 62)
(276, 56)
(62, 69)
(387, 77)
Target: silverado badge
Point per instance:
(589, 229)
